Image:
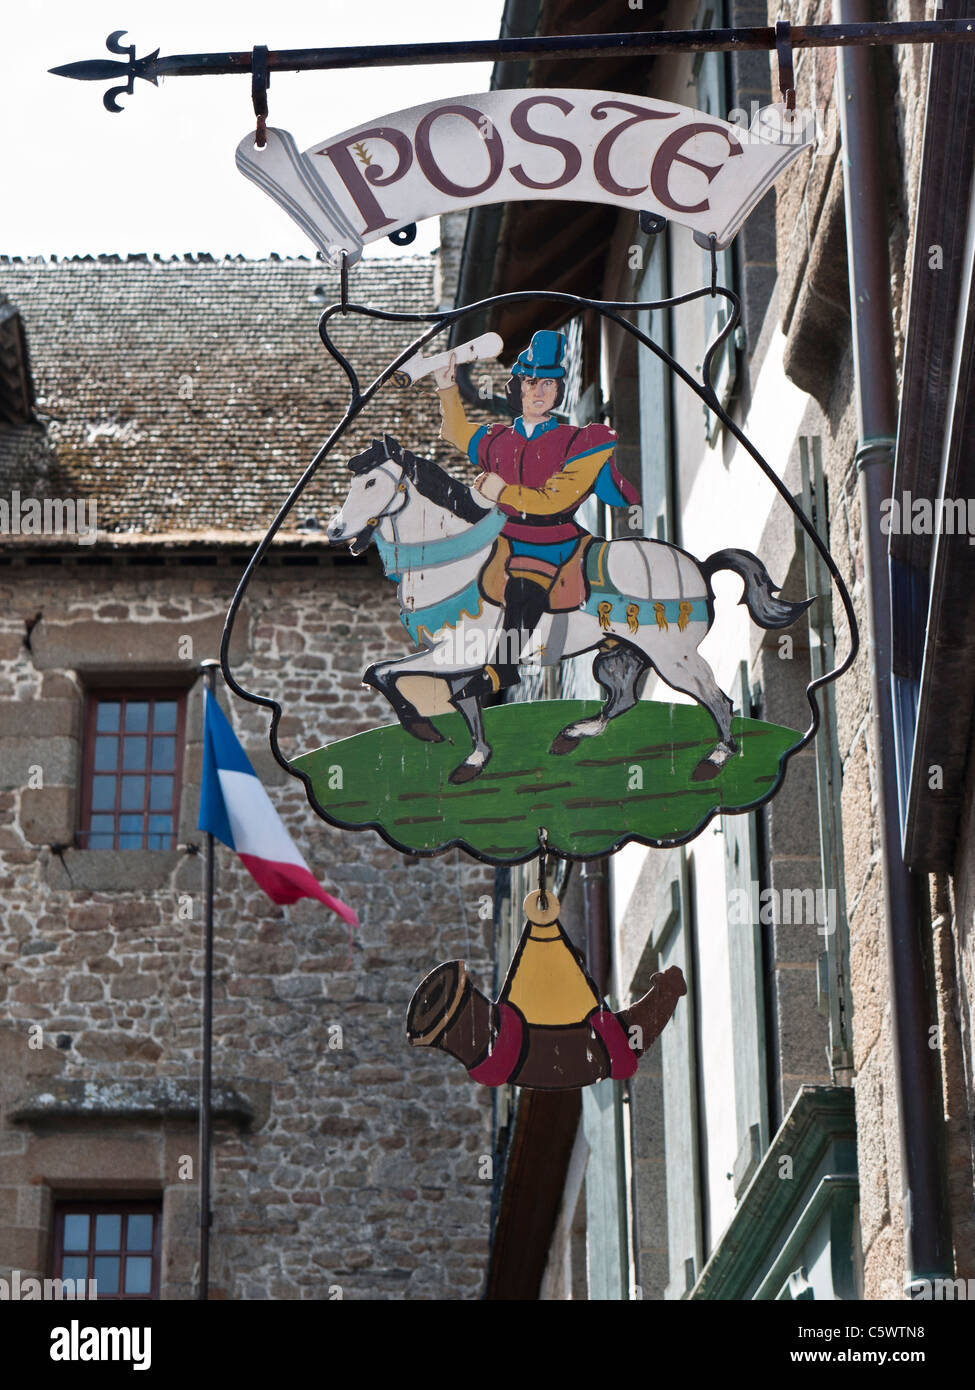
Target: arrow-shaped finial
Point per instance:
(101, 69)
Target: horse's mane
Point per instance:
(429, 479)
(436, 484)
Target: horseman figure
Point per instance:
(538, 472)
(500, 574)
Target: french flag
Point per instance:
(236, 810)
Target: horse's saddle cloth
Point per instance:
(569, 589)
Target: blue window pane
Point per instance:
(134, 754)
(137, 716)
(108, 1232)
(106, 1273)
(163, 754)
(102, 793)
(130, 832)
(74, 1266)
(139, 1233)
(164, 717)
(106, 753)
(160, 832)
(160, 793)
(107, 715)
(138, 1274)
(76, 1232)
(102, 833)
(133, 793)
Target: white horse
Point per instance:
(654, 608)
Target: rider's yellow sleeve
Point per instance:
(562, 490)
(455, 427)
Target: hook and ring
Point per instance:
(260, 81)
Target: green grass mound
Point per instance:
(633, 782)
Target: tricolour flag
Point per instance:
(235, 808)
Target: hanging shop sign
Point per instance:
(493, 147)
(497, 575)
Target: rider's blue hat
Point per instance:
(543, 356)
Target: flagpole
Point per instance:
(209, 669)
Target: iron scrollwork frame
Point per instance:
(614, 311)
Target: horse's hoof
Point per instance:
(705, 771)
(564, 743)
(424, 730)
(466, 772)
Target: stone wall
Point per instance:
(814, 298)
(351, 1167)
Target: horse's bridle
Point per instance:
(361, 540)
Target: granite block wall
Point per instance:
(345, 1165)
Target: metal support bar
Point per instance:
(638, 45)
(209, 669)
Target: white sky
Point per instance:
(160, 177)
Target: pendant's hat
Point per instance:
(543, 356)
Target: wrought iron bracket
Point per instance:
(627, 45)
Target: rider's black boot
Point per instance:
(524, 603)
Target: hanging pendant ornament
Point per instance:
(549, 1029)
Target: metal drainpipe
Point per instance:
(927, 1231)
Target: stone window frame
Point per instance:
(94, 695)
(108, 1206)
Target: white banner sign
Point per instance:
(587, 147)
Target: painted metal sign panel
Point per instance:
(491, 147)
(499, 578)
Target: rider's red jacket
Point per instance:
(549, 473)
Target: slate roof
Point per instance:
(188, 395)
(16, 399)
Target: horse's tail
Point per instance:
(759, 596)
